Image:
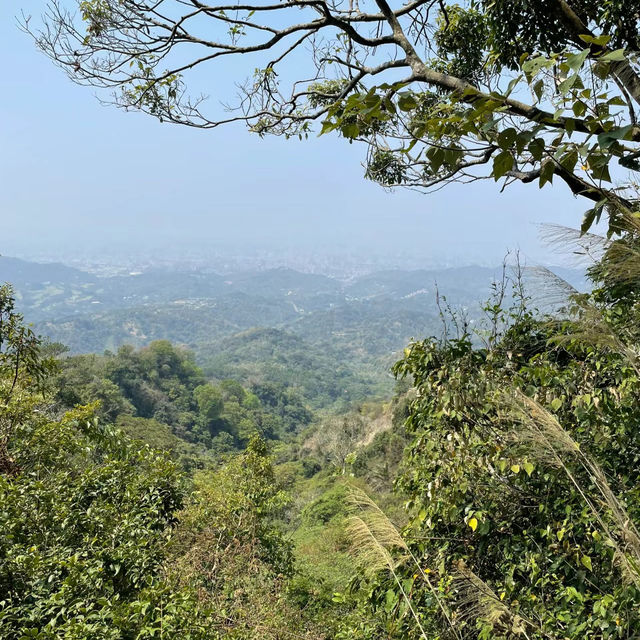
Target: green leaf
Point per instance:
(576, 60)
(569, 160)
(538, 89)
(566, 85)
(507, 138)
(536, 148)
(532, 66)
(601, 69)
(601, 173)
(528, 467)
(579, 108)
(546, 173)
(600, 41)
(391, 600)
(436, 157)
(589, 217)
(407, 102)
(605, 140)
(512, 85)
(502, 163)
(327, 126)
(350, 130)
(614, 56)
(586, 561)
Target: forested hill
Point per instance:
(333, 340)
(371, 316)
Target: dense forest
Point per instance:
(493, 495)
(299, 326)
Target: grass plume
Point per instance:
(546, 440)
(374, 538)
(477, 601)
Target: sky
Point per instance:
(81, 178)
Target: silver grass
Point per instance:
(364, 511)
(373, 539)
(586, 248)
(548, 442)
(371, 543)
(591, 328)
(622, 259)
(548, 290)
(477, 601)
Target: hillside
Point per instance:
(374, 314)
(279, 357)
(333, 340)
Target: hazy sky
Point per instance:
(79, 176)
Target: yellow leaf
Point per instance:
(473, 523)
(515, 468)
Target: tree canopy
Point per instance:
(438, 91)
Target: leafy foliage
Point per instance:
(83, 528)
(522, 481)
(23, 373)
(101, 535)
(162, 385)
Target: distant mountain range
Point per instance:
(359, 324)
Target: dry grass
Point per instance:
(477, 601)
(376, 542)
(547, 441)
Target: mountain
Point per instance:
(364, 320)
(275, 356)
(407, 284)
(22, 273)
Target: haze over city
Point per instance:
(84, 181)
